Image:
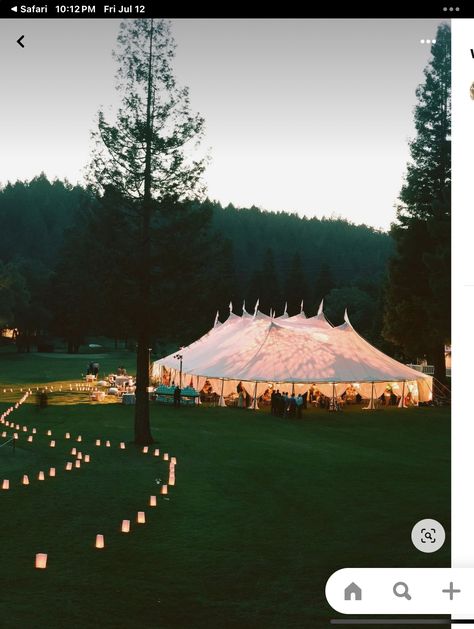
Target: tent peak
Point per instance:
(320, 309)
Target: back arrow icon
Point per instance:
(19, 42)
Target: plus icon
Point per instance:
(451, 591)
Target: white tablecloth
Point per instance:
(121, 380)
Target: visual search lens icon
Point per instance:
(400, 590)
(428, 536)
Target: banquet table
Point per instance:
(121, 381)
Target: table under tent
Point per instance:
(293, 353)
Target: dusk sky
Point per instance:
(310, 116)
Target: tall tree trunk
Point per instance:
(142, 411)
(142, 406)
(439, 362)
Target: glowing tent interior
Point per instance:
(293, 353)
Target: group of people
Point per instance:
(388, 398)
(121, 382)
(319, 400)
(285, 405)
(93, 369)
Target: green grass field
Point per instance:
(263, 511)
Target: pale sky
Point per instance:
(310, 116)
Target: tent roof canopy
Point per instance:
(262, 348)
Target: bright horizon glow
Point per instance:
(305, 116)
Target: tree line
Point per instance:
(68, 267)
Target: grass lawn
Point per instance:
(263, 510)
(38, 368)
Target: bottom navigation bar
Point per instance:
(403, 591)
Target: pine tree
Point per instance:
(270, 297)
(75, 283)
(324, 283)
(296, 285)
(254, 289)
(112, 251)
(186, 271)
(143, 155)
(14, 295)
(417, 312)
(225, 286)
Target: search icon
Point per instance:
(400, 589)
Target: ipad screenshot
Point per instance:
(228, 273)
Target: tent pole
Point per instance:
(372, 404)
(198, 399)
(333, 396)
(221, 399)
(402, 400)
(254, 405)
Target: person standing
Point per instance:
(281, 404)
(305, 400)
(292, 406)
(299, 406)
(177, 397)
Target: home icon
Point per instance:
(353, 593)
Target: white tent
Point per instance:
(293, 353)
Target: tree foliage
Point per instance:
(144, 155)
(83, 281)
(296, 286)
(154, 123)
(14, 295)
(418, 304)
